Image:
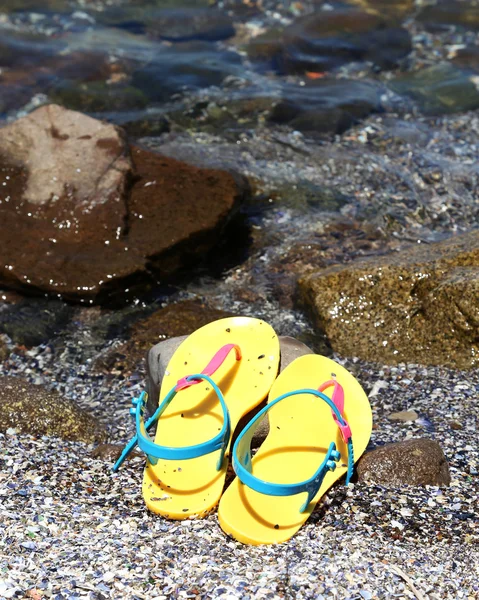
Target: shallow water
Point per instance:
(322, 106)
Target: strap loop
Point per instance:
(242, 453)
(155, 451)
(151, 449)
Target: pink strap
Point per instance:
(338, 399)
(214, 364)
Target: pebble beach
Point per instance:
(73, 529)
(312, 155)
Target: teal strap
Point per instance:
(155, 451)
(242, 456)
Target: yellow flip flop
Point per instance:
(316, 433)
(199, 408)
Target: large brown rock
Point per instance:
(411, 462)
(420, 305)
(80, 215)
(35, 410)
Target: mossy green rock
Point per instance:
(419, 306)
(440, 89)
(97, 96)
(447, 14)
(306, 196)
(35, 410)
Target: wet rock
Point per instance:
(326, 40)
(76, 79)
(138, 17)
(440, 89)
(243, 110)
(32, 322)
(415, 306)
(69, 181)
(13, 95)
(191, 24)
(326, 105)
(9, 297)
(34, 410)
(186, 66)
(445, 14)
(265, 50)
(23, 50)
(412, 462)
(159, 356)
(174, 320)
(7, 6)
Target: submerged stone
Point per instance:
(145, 125)
(394, 9)
(8, 6)
(467, 58)
(230, 113)
(441, 89)
(81, 215)
(34, 410)
(136, 17)
(326, 105)
(418, 306)
(187, 66)
(326, 40)
(307, 196)
(34, 322)
(97, 96)
(185, 24)
(445, 14)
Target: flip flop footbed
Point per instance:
(179, 489)
(301, 430)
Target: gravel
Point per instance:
(73, 529)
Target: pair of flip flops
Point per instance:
(320, 422)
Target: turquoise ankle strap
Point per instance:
(242, 456)
(155, 451)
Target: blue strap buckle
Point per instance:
(155, 451)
